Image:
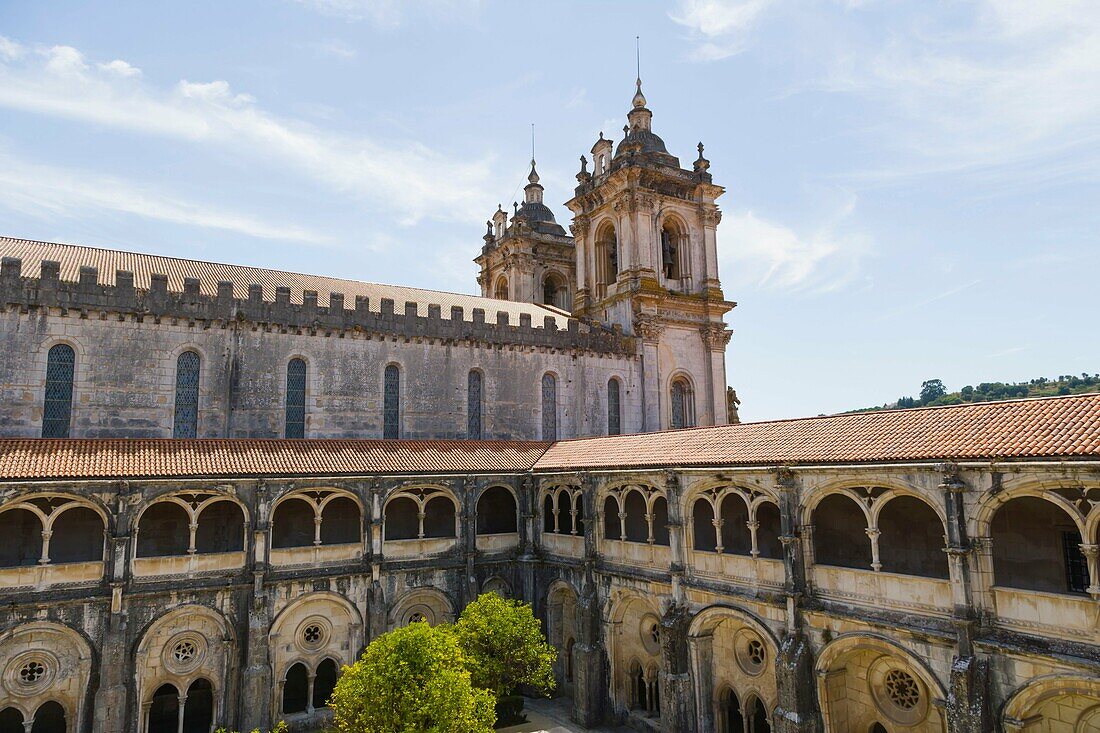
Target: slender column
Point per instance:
(622, 525)
(649, 526)
(310, 678)
(753, 526)
(180, 706)
(1092, 555)
(255, 701)
(192, 530)
(317, 528)
(718, 524)
(873, 534)
(46, 535)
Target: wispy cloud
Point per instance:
(48, 191)
(768, 255)
(335, 48)
(719, 28)
(390, 13)
(917, 305)
(400, 177)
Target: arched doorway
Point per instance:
(11, 721)
(758, 718)
(296, 689)
(324, 683)
(198, 711)
(49, 718)
(163, 710)
(730, 719)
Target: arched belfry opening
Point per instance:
(607, 258)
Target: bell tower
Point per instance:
(529, 258)
(646, 259)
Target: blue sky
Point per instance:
(913, 189)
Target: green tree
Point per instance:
(931, 390)
(504, 646)
(413, 679)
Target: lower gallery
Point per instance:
(917, 570)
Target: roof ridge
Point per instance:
(540, 306)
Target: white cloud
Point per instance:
(120, 67)
(404, 178)
(767, 255)
(719, 28)
(336, 48)
(9, 49)
(48, 191)
(390, 13)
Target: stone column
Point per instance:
(650, 329)
(256, 680)
(701, 651)
(110, 710)
(677, 695)
(676, 540)
(528, 501)
(590, 691)
(798, 710)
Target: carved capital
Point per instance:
(715, 336)
(648, 327)
(711, 217)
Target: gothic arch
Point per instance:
(493, 515)
(192, 509)
(705, 621)
(1029, 699)
(990, 502)
(58, 659)
(422, 495)
(317, 499)
(430, 603)
(58, 506)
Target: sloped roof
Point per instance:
(107, 261)
(1052, 427)
(1047, 428)
(46, 459)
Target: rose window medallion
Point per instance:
(902, 689)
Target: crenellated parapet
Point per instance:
(365, 315)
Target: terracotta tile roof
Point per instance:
(72, 257)
(44, 459)
(1052, 427)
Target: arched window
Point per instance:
(840, 533)
(220, 528)
(22, 533)
(391, 403)
(186, 421)
(496, 511)
(612, 525)
(911, 539)
(501, 291)
(735, 525)
(607, 258)
(292, 524)
(702, 525)
(473, 405)
(660, 521)
(555, 292)
(57, 407)
(402, 520)
(639, 686)
(1037, 546)
(768, 531)
(675, 260)
(730, 718)
(549, 407)
(49, 718)
(565, 513)
(295, 399)
(637, 528)
(614, 412)
(340, 522)
(198, 711)
(439, 517)
(324, 683)
(77, 536)
(758, 718)
(11, 721)
(164, 710)
(548, 514)
(163, 529)
(683, 405)
(296, 689)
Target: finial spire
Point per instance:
(639, 98)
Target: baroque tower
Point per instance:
(646, 260)
(530, 258)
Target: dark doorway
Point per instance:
(77, 537)
(163, 710)
(293, 525)
(220, 528)
(11, 721)
(164, 529)
(296, 689)
(324, 683)
(49, 718)
(439, 517)
(840, 534)
(402, 522)
(912, 539)
(758, 718)
(22, 532)
(340, 522)
(496, 511)
(198, 711)
(732, 719)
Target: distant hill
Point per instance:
(933, 392)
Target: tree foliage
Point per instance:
(933, 392)
(413, 679)
(931, 389)
(504, 646)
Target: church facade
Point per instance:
(219, 483)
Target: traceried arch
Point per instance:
(57, 404)
(163, 529)
(563, 510)
(316, 517)
(420, 513)
(614, 407)
(641, 513)
(295, 425)
(186, 417)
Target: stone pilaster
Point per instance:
(968, 697)
(797, 710)
(677, 695)
(590, 701)
(110, 713)
(256, 681)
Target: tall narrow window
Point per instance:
(391, 403)
(683, 407)
(614, 416)
(549, 407)
(473, 406)
(186, 423)
(57, 408)
(296, 399)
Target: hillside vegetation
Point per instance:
(933, 392)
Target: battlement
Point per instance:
(378, 316)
